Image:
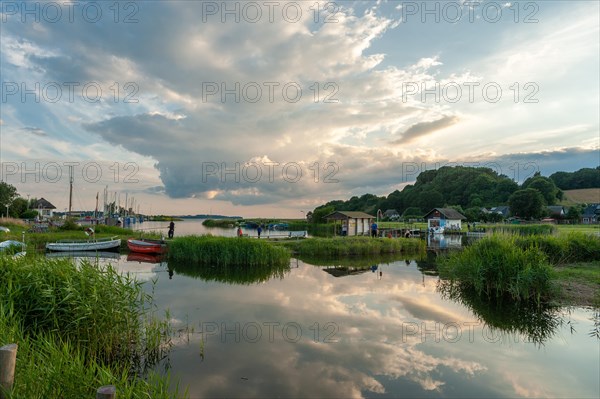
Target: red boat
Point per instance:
(145, 258)
(144, 246)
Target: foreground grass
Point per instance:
(78, 328)
(226, 251)
(353, 246)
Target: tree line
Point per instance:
(468, 190)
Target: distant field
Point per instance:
(585, 195)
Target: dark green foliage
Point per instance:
(463, 186)
(545, 186)
(226, 251)
(583, 178)
(527, 204)
(496, 266)
(223, 223)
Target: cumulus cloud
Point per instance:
(425, 128)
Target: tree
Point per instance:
(8, 193)
(545, 186)
(17, 207)
(574, 213)
(527, 203)
(320, 212)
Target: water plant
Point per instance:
(353, 246)
(208, 250)
(496, 266)
(79, 327)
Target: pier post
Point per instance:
(106, 392)
(8, 361)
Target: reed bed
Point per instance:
(564, 248)
(226, 251)
(496, 266)
(354, 246)
(79, 327)
(521, 229)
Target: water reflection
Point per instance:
(360, 336)
(230, 274)
(536, 323)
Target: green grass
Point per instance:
(79, 327)
(353, 246)
(579, 228)
(496, 266)
(226, 251)
(521, 229)
(564, 248)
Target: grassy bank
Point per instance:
(526, 267)
(579, 283)
(37, 241)
(226, 251)
(353, 246)
(78, 328)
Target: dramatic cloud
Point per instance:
(425, 128)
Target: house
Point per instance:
(391, 214)
(446, 218)
(44, 208)
(591, 214)
(556, 211)
(356, 223)
(503, 210)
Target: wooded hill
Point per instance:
(464, 188)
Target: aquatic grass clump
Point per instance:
(79, 327)
(226, 251)
(354, 246)
(495, 267)
(564, 248)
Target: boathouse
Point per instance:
(444, 218)
(355, 223)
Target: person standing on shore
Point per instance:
(259, 230)
(374, 229)
(171, 229)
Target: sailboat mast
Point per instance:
(70, 188)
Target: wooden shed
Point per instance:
(356, 223)
(444, 219)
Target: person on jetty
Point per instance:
(259, 230)
(239, 232)
(374, 229)
(171, 229)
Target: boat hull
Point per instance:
(146, 246)
(84, 246)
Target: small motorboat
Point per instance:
(145, 246)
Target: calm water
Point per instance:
(381, 330)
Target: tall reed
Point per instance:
(354, 246)
(226, 251)
(78, 327)
(496, 266)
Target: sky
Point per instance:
(269, 109)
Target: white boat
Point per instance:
(84, 245)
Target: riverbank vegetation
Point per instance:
(353, 246)
(226, 251)
(78, 328)
(520, 267)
